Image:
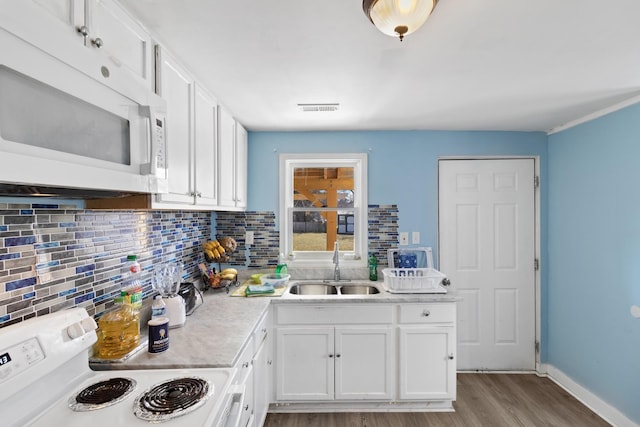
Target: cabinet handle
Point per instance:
(97, 42)
(269, 362)
(338, 355)
(83, 30)
(446, 282)
(331, 355)
(264, 330)
(426, 313)
(245, 365)
(450, 357)
(198, 194)
(246, 407)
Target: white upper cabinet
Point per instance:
(96, 36)
(233, 162)
(241, 166)
(206, 149)
(191, 138)
(177, 87)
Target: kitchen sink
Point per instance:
(333, 288)
(358, 289)
(313, 289)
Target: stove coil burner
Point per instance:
(172, 399)
(102, 394)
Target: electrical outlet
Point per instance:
(404, 238)
(248, 237)
(415, 237)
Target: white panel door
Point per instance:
(486, 224)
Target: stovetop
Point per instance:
(122, 412)
(44, 364)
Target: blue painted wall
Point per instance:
(594, 253)
(403, 170)
(403, 166)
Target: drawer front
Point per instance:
(260, 332)
(243, 365)
(333, 314)
(428, 313)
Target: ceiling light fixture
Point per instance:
(398, 17)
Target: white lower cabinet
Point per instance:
(364, 363)
(262, 363)
(426, 352)
(244, 376)
(426, 362)
(253, 371)
(345, 363)
(399, 356)
(351, 361)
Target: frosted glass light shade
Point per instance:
(398, 17)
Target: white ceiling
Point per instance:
(528, 65)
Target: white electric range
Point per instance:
(45, 380)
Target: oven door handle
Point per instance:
(233, 406)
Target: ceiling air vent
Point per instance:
(318, 107)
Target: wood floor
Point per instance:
(493, 400)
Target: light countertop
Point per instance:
(217, 332)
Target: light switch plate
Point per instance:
(404, 238)
(248, 238)
(415, 237)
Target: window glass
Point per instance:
(323, 201)
(323, 208)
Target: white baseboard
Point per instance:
(590, 400)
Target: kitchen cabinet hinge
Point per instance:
(536, 181)
(536, 264)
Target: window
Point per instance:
(323, 199)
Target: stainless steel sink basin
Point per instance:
(313, 289)
(359, 290)
(333, 288)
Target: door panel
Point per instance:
(487, 249)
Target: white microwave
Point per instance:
(81, 126)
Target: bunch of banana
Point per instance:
(214, 251)
(228, 274)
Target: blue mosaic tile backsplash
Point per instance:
(383, 235)
(58, 256)
(54, 257)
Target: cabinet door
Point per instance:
(227, 151)
(176, 87)
(55, 26)
(305, 364)
(427, 364)
(248, 409)
(206, 149)
(364, 363)
(122, 40)
(241, 167)
(261, 393)
(48, 24)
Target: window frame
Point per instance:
(288, 163)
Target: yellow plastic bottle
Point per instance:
(118, 330)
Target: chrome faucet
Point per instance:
(336, 261)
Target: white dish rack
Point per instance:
(413, 280)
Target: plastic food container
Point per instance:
(277, 280)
